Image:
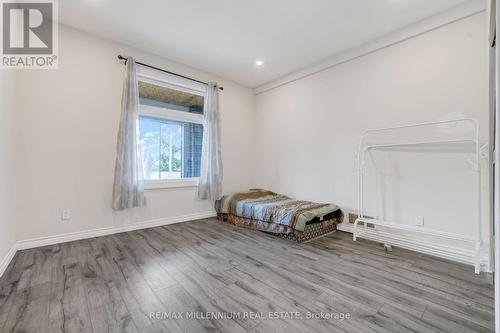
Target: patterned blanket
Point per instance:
(270, 207)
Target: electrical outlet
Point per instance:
(66, 215)
(419, 221)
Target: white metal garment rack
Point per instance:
(364, 147)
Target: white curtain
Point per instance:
(210, 186)
(128, 189)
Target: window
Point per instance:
(171, 131)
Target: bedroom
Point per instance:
(291, 88)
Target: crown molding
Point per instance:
(455, 14)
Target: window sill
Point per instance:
(173, 183)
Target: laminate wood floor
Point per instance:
(230, 279)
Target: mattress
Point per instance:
(278, 214)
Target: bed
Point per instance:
(278, 214)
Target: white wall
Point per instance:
(298, 139)
(66, 126)
(307, 130)
(7, 163)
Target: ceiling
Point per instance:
(226, 37)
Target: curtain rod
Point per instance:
(120, 57)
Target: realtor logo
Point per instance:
(29, 34)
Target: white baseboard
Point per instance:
(7, 259)
(74, 236)
(438, 249)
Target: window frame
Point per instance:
(171, 82)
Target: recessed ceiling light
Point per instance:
(259, 63)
